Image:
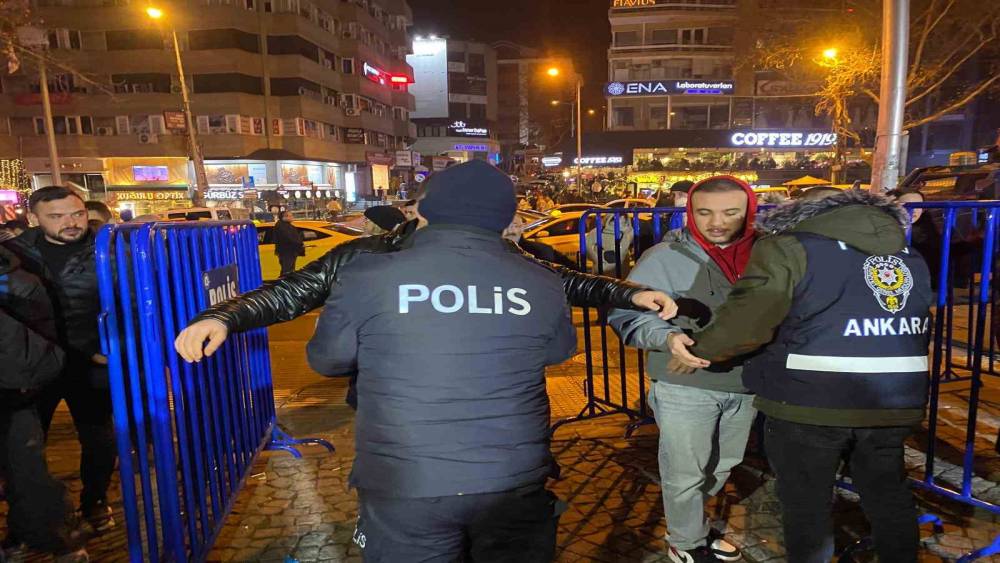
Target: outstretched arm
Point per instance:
(589, 290)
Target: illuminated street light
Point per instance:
(201, 180)
(554, 72)
(591, 112)
(830, 54)
(554, 102)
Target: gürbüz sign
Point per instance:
(782, 139)
(663, 87)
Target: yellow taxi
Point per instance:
(561, 232)
(319, 238)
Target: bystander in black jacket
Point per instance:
(288, 240)
(72, 291)
(39, 513)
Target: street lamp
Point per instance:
(201, 180)
(830, 54)
(554, 72)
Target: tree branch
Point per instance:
(952, 68)
(870, 93)
(955, 105)
(102, 87)
(924, 34)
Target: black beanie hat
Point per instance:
(474, 193)
(385, 216)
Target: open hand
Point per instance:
(656, 301)
(683, 361)
(191, 340)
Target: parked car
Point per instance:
(947, 183)
(208, 214)
(319, 238)
(561, 233)
(629, 203)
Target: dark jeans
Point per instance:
(514, 526)
(40, 514)
(287, 262)
(90, 407)
(805, 459)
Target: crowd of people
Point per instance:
(453, 449)
(815, 314)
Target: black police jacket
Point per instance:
(306, 289)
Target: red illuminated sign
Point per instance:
(382, 77)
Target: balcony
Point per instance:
(630, 7)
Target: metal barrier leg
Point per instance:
(280, 440)
(992, 549)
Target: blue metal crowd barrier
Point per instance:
(958, 354)
(187, 434)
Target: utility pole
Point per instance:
(579, 134)
(201, 180)
(50, 134)
(892, 95)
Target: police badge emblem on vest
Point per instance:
(890, 281)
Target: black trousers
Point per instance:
(40, 514)
(287, 263)
(514, 526)
(805, 459)
(90, 406)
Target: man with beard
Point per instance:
(704, 415)
(60, 251)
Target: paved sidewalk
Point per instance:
(303, 509)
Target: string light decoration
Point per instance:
(14, 177)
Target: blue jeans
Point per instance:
(703, 435)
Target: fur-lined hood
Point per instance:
(871, 223)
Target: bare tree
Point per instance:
(953, 52)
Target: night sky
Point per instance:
(578, 28)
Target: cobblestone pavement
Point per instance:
(302, 509)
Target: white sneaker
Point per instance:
(725, 551)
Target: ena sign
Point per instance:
(783, 139)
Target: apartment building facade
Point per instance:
(292, 96)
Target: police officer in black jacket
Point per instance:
(450, 338)
(40, 515)
(60, 252)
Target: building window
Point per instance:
(227, 82)
(64, 39)
(141, 83)
(477, 112)
(625, 117)
(458, 111)
(626, 38)
(348, 66)
(296, 87)
(477, 65)
(658, 117)
(718, 117)
(292, 45)
(203, 39)
(66, 125)
(663, 37)
(695, 36)
(690, 117)
(456, 56)
(132, 40)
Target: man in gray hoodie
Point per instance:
(704, 415)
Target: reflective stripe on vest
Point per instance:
(856, 364)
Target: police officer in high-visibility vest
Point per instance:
(841, 306)
(450, 338)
